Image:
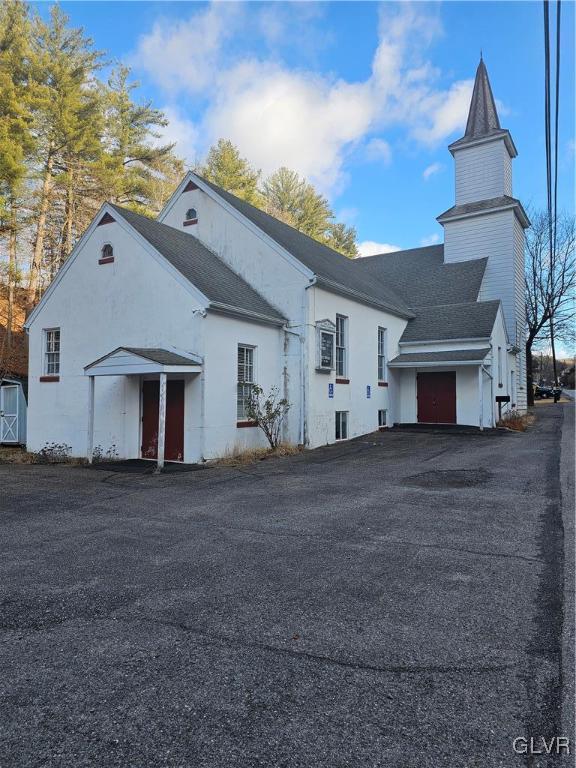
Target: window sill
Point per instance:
(382, 383)
(343, 381)
(189, 222)
(246, 424)
(49, 378)
(107, 260)
(319, 369)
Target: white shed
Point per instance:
(13, 408)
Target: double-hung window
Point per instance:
(52, 352)
(245, 380)
(381, 354)
(341, 345)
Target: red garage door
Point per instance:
(174, 439)
(436, 398)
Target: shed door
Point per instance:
(174, 439)
(436, 394)
(9, 414)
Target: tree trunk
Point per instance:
(11, 279)
(529, 377)
(35, 266)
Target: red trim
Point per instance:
(106, 219)
(246, 424)
(49, 378)
(190, 187)
(107, 260)
(342, 381)
(189, 222)
(382, 383)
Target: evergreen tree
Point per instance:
(343, 239)
(135, 166)
(63, 66)
(16, 142)
(225, 167)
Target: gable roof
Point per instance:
(333, 271)
(421, 278)
(224, 289)
(471, 320)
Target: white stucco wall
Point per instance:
(131, 302)
(362, 369)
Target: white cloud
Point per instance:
(370, 248)
(296, 117)
(431, 170)
(378, 149)
(430, 240)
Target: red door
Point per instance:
(174, 441)
(436, 398)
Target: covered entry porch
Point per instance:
(446, 387)
(162, 374)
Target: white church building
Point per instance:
(151, 333)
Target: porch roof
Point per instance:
(126, 361)
(452, 357)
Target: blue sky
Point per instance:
(361, 98)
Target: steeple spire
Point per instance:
(483, 117)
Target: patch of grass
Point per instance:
(18, 455)
(235, 458)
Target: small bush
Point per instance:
(519, 422)
(53, 453)
(99, 454)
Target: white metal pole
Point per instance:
(90, 447)
(161, 422)
(481, 394)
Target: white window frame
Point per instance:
(382, 361)
(109, 256)
(341, 424)
(328, 329)
(382, 422)
(342, 346)
(499, 366)
(51, 347)
(244, 385)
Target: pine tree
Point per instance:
(16, 142)
(225, 167)
(135, 166)
(343, 239)
(63, 66)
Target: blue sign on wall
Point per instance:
(368, 392)
(331, 390)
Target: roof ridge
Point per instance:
(395, 253)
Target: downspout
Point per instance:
(487, 372)
(303, 336)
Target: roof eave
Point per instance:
(503, 135)
(517, 207)
(228, 309)
(362, 298)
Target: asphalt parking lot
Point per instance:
(395, 601)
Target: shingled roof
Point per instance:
(333, 271)
(472, 320)
(484, 206)
(202, 267)
(421, 278)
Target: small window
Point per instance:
(52, 352)
(341, 425)
(381, 354)
(107, 252)
(499, 366)
(341, 344)
(245, 380)
(382, 417)
(191, 214)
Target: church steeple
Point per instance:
(483, 123)
(483, 117)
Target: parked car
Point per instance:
(542, 391)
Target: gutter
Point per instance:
(228, 309)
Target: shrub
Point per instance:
(268, 412)
(53, 453)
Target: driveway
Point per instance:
(394, 602)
